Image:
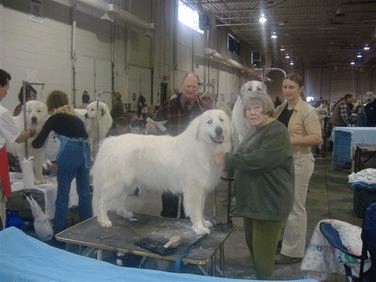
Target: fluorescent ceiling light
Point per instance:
(262, 19)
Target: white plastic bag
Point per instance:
(42, 224)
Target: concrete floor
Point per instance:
(329, 196)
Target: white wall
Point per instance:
(218, 78)
(140, 82)
(41, 51)
(141, 62)
(333, 83)
(35, 51)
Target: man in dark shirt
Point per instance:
(370, 110)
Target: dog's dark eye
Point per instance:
(221, 120)
(210, 121)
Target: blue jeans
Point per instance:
(73, 161)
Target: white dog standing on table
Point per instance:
(36, 116)
(180, 164)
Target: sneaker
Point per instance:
(281, 259)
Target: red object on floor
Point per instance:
(4, 172)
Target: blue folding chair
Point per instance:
(369, 241)
(369, 245)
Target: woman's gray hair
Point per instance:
(267, 103)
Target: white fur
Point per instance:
(239, 124)
(181, 164)
(89, 117)
(81, 114)
(36, 116)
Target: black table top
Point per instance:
(123, 234)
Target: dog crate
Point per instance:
(364, 195)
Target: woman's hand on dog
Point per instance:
(219, 159)
(31, 132)
(24, 135)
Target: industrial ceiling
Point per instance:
(313, 32)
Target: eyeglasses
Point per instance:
(253, 109)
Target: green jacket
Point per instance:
(264, 173)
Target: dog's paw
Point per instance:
(137, 192)
(201, 230)
(106, 223)
(39, 181)
(124, 213)
(207, 223)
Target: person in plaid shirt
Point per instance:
(342, 112)
(178, 112)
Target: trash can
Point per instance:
(364, 195)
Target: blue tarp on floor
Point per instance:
(23, 258)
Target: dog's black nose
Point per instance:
(218, 131)
(86, 115)
(34, 120)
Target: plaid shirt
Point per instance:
(177, 117)
(341, 115)
(345, 112)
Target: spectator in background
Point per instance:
(370, 97)
(30, 94)
(151, 111)
(9, 132)
(134, 102)
(341, 115)
(121, 126)
(117, 106)
(178, 111)
(136, 124)
(370, 110)
(142, 108)
(85, 98)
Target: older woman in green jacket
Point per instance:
(264, 180)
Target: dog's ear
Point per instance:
(198, 122)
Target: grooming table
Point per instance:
(23, 258)
(123, 234)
